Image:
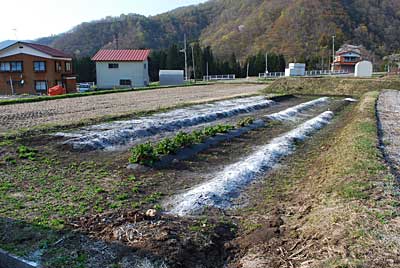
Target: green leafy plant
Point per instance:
(144, 154)
(25, 152)
(147, 154)
(245, 122)
(167, 146)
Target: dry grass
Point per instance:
(332, 86)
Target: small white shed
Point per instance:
(171, 77)
(296, 69)
(363, 69)
(122, 68)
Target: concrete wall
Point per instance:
(137, 72)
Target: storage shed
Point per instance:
(363, 69)
(122, 68)
(171, 77)
(296, 69)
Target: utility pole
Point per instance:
(184, 50)
(248, 67)
(194, 65)
(333, 51)
(207, 71)
(12, 86)
(266, 63)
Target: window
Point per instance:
(5, 67)
(16, 66)
(12, 66)
(145, 66)
(41, 85)
(68, 66)
(124, 82)
(58, 66)
(113, 66)
(39, 66)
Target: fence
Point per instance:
(307, 73)
(269, 75)
(219, 77)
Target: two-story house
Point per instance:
(28, 68)
(122, 68)
(346, 58)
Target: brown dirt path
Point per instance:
(74, 110)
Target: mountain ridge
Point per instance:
(296, 28)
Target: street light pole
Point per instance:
(194, 65)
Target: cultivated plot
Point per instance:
(89, 189)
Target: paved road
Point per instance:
(389, 115)
(68, 111)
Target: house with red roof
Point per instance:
(122, 68)
(28, 68)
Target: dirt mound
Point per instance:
(181, 242)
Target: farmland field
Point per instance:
(76, 110)
(256, 181)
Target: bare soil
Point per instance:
(388, 109)
(73, 110)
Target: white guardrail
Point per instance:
(219, 77)
(273, 74)
(307, 73)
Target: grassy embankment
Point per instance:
(338, 201)
(332, 86)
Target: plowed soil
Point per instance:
(73, 110)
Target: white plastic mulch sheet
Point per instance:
(228, 183)
(109, 135)
(291, 113)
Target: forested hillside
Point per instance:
(296, 28)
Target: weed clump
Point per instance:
(25, 152)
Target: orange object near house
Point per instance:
(57, 90)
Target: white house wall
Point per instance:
(137, 72)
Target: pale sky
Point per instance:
(40, 18)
